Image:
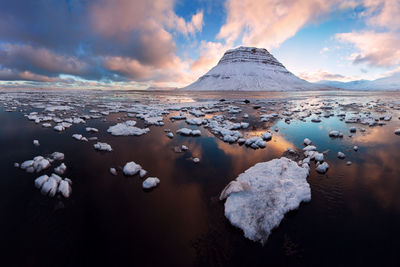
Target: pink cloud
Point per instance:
(268, 23)
(375, 48)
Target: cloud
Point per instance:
(321, 75)
(380, 44)
(94, 40)
(375, 48)
(268, 23)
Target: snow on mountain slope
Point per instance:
(388, 83)
(250, 69)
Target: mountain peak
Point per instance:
(249, 69)
(249, 54)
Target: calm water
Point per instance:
(353, 217)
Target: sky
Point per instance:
(136, 44)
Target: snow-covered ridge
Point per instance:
(249, 69)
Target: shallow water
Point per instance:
(352, 218)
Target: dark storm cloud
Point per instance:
(85, 38)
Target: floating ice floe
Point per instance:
(397, 131)
(79, 137)
(188, 132)
(60, 170)
(127, 128)
(53, 184)
(335, 133)
(258, 199)
(341, 155)
(322, 167)
(131, 168)
(57, 156)
(355, 148)
(38, 164)
(113, 171)
(310, 148)
(170, 135)
(307, 142)
(36, 143)
(348, 163)
(319, 157)
(255, 142)
(142, 173)
(91, 130)
(196, 160)
(150, 182)
(353, 129)
(194, 121)
(184, 148)
(267, 136)
(102, 146)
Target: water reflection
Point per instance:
(353, 215)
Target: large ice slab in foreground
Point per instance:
(259, 198)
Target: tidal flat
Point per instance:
(102, 210)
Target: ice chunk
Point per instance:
(307, 142)
(196, 160)
(64, 188)
(273, 188)
(184, 131)
(397, 131)
(36, 143)
(355, 148)
(142, 173)
(353, 129)
(322, 168)
(127, 128)
(91, 130)
(57, 156)
(310, 148)
(102, 146)
(341, 155)
(50, 187)
(255, 142)
(184, 148)
(131, 168)
(319, 157)
(113, 171)
(150, 182)
(335, 133)
(170, 135)
(60, 170)
(40, 181)
(266, 136)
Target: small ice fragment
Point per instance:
(60, 170)
(64, 188)
(57, 156)
(142, 173)
(36, 142)
(267, 136)
(131, 168)
(310, 148)
(307, 142)
(335, 134)
(196, 160)
(40, 181)
(319, 157)
(196, 133)
(341, 155)
(50, 187)
(113, 171)
(102, 146)
(150, 182)
(170, 135)
(16, 164)
(184, 148)
(322, 168)
(348, 163)
(91, 130)
(353, 129)
(397, 131)
(355, 148)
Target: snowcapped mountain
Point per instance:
(388, 83)
(250, 69)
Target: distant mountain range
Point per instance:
(388, 83)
